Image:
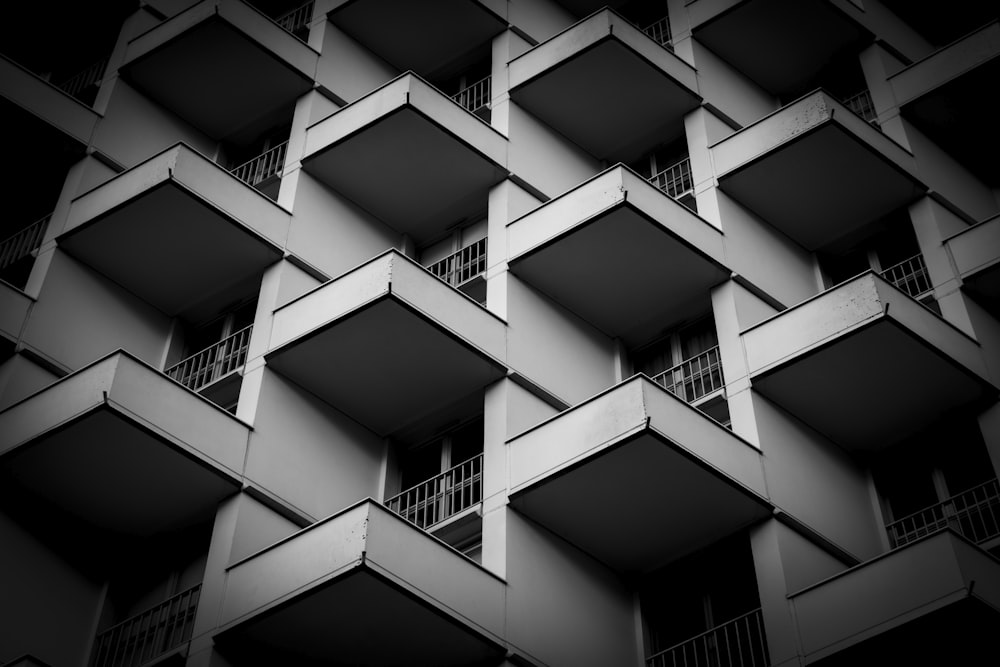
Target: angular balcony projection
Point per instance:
(175, 229)
(618, 252)
(220, 65)
(604, 473)
(362, 587)
(932, 602)
(779, 44)
(121, 448)
(421, 36)
(976, 253)
(409, 155)
(606, 86)
(815, 170)
(942, 95)
(387, 343)
(864, 363)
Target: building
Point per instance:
(500, 332)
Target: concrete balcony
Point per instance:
(779, 44)
(220, 65)
(410, 155)
(815, 170)
(122, 448)
(421, 36)
(942, 95)
(604, 472)
(175, 230)
(387, 343)
(606, 86)
(976, 253)
(864, 364)
(619, 252)
(934, 601)
(363, 586)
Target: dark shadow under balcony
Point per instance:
(220, 65)
(865, 364)
(815, 170)
(606, 86)
(602, 473)
(410, 155)
(122, 448)
(388, 343)
(976, 253)
(383, 592)
(175, 230)
(618, 252)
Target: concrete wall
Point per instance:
(347, 68)
(729, 91)
(543, 158)
(21, 377)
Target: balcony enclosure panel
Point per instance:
(976, 253)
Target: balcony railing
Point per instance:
(23, 243)
(463, 265)
(862, 105)
(207, 366)
(910, 276)
(148, 635)
(78, 84)
(296, 20)
(693, 378)
(738, 643)
(974, 513)
(675, 180)
(264, 167)
(659, 32)
(439, 498)
(475, 96)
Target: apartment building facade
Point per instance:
(500, 332)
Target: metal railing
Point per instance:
(862, 105)
(695, 377)
(23, 243)
(659, 32)
(441, 497)
(910, 276)
(738, 643)
(475, 96)
(461, 266)
(297, 19)
(675, 180)
(78, 83)
(267, 165)
(212, 363)
(148, 635)
(974, 513)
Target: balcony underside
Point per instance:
(121, 448)
(780, 44)
(422, 36)
(644, 492)
(619, 253)
(605, 86)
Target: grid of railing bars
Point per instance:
(23, 243)
(910, 276)
(207, 366)
(737, 643)
(442, 497)
(297, 19)
(268, 164)
(474, 96)
(675, 180)
(148, 635)
(693, 378)
(862, 105)
(461, 266)
(659, 32)
(81, 81)
(974, 513)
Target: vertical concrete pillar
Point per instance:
(495, 482)
(734, 364)
(779, 622)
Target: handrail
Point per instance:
(210, 364)
(695, 377)
(462, 265)
(267, 165)
(441, 497)
(23, 243)
(736, 643)
(149, 634)
(910, 276)
(474, 96)
(975, 513)
(675, 180)
(80, 81)
(862, 105)
(296, 19)
(659, 32)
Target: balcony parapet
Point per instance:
(973, 513)
(440, 498)
(736, 643)
(976, 253)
